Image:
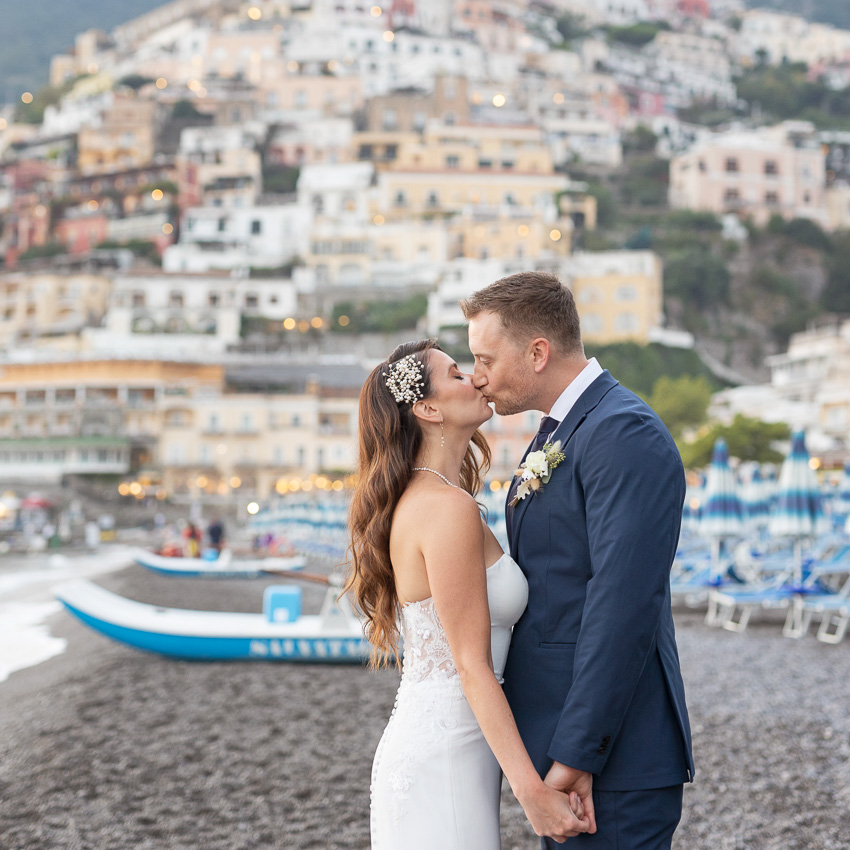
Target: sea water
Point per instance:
(27, 602)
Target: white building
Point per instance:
(778, 37)
(336, 192)
(759, 173)
(263, 236)
(159, 314)
(809, 387)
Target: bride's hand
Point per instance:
(554, 814)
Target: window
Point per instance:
(400, 198)
(252, 301)
(256, 227)
(138, 299)
(627, 292)
(770, 167)
(222, 224)
(731, 196)
(592, 323)
(485, 163)
(390, 119)
(175, 298)
(626, 322)
(452, 161)
(419, 119)
(433, 200)
(731, 164)
(771, 198)
(213, 299)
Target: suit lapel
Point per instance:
(586, 402)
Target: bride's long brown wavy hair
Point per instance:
(390, 439)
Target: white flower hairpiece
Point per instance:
(404, 379)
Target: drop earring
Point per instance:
(442, 435)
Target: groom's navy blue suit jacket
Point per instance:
(593, 674)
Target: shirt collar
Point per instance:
(573, 392)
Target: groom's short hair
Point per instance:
(529, 305)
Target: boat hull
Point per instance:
(199, 568)
(213, 636)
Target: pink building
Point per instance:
(754, 173)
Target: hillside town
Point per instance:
(217, 217)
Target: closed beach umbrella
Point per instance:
(722, 514)
(722, 507)
(756, 496)
(798, 510)
(843, 499)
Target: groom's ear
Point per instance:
(539, 351)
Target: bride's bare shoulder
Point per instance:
(424, 504)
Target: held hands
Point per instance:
(572, 781)
(555, 814)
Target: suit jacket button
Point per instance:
(603, 747)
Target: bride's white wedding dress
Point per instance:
(435, 782)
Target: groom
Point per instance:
(593, 673)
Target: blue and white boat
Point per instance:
(223, 567)
(334, 636)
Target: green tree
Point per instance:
(636, 35)
(134, 81)
(697, 276)
(835, 297)
(641, 140)
(379, 316)
(681, 403)
(747, 438)
(184, 109)
(646, 181)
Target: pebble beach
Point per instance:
(103, 747)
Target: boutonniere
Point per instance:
(536, 470)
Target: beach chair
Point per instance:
(691, 587)
(731, 608)
(831, 606)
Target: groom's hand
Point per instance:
(567, 779)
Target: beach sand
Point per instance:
(107, 748)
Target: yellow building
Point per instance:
(126, 138)
(618, 294)
(508, 236)
(456, 167)
(48, 305)
(59, 417)
(251, 444)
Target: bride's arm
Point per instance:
(453, 548)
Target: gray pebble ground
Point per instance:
(106, 748)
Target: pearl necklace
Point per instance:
(439, 474)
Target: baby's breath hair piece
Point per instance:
(404, 379)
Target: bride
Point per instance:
(427, 569)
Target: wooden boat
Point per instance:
(224, 567)
(333, 636)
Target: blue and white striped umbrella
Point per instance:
(798, 511)
(722, 507)
(756, 496)
(842, 501)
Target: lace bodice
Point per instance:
(427, 655)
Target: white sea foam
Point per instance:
(24, 638)
(26, 602)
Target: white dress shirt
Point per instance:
(573, 392)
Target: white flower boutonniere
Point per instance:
(536, 470)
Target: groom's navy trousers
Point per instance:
(593, 674)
